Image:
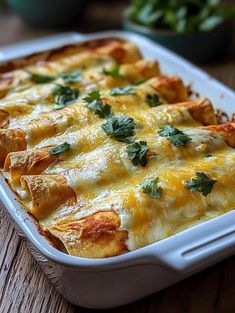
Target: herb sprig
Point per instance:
(202, 183)
(64, 96)
(151, 188)
(59, 149)
(114, 71)
(41, 78)
(174, 135)
(137, 152)
(121, 128)
(95, 104)
(120, 91)
(71, 77)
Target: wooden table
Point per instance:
(25, 289)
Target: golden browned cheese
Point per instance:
(97, 236)
(79, 182)
(172, 88)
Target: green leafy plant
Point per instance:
(182, 16)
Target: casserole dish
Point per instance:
(87, 282)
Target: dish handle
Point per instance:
(200, 246)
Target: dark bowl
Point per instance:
(49, 13)
(197, 47)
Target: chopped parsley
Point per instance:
(137, 152)
(95, 104)
(151, 188)
(61, 148)
(71, 77)
(120, 91)
(41, 78)
(201, 183)
(139, 81)
(174, 135)
(114, 71)
(64, 96)
(121, 128)
(153, 100)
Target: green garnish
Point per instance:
(174, 135)
(61, 148)
(41, 78)
(64, 96)
(71, 77)
(139, 81)
(137, 152)
(151, 188)
(153, 100)
(201, 183)
(114, 71)
(95, 104)
(187, 17)
(121, 128)
(120, 91)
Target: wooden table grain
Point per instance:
(24, 288)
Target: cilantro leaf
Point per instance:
(139, 81)
(121, 128)
(201, 183)
(61, 148)
(114, 71)
(137, 152)
(153, 100)
(120, 91)
(64, 96)
(174, 135)
(71, 77)
(93, 95)
(41, 78)
(151, 188)
(95, 104)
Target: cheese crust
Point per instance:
(66, 154)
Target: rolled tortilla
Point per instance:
(11, 140)
(122, 52)
(171, 88)
(141, 69)
(47, 193)
(201, 110)
(226, 130)
(95, 236)
(31, 162)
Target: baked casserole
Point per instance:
(108, 154)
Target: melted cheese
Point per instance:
(96, 174)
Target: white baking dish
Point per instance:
(105, 283)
